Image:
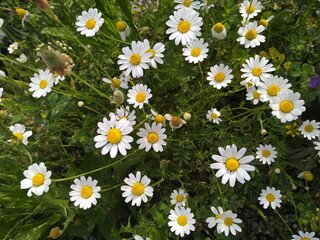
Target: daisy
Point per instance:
(178, 198)
(137, 237)
(113, 136)
(310, 129)
(249, 9)
(195, 51)
(305, 236)
(219, 76)
(232, 165)
(116, 83)
(213, 115)
(287, 106)
(89, 22)
(12, 47)
(212, 221)
(85, 192)
(1, 91)
(152, 137)
(253, 94)
(139, 95)
(22, 58)
(181, 221)
(134, 60)
(184, 26)
(265, 22)
(228, 222)
(174, 122)
(123, 29)
(37, 179)
(137, 189)
(219, 31)
(156, 51)
(19, 131)
(266, 154)
(190, 4)
(306, 175)
(158, 118)
(1, 22)
(249, 35)
(41, 83)
(125, 77)
(270, 196)
(206, 5)
(125, 113)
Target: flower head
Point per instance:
(181, 221)
(306, 175)
(123, 29)
(228, 222)
(12, 47)
(314, 82)
(19, 132)
(116, 83)
(212, 221)
(137, 237)
(270, 196)
(305, 236)
(139, 95)
(195, 51)
(266, 154)
(152, 137)
(178, 198)
(253, 94)
(310, 129)
(126, 114)
(174, 122)
(190, 4)
(250, 9)
(89, 22)
(1, 22)
(219, 31)
(158, 118)
(213, 115)
(41, 83)
(219, 76)
(265, 22)
(156, 52)
(250, 35)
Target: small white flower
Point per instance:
(306, 175)
(22, 58)
(178, 198)
(181, 221)
(152, 137)
(116, 83)
(219, 76)
(41, 83)
(305, 236)
(206, 5)
(195, 51)
(190, 4)
(139, 95)
(228, 222)
(212, 221)
(270, 196)
(219, 31)
(265, 22)
(123, 29)
(249, 35)
(1, 91)
(1, 22)
(127, 114)
(252, 94)
(174, 122)
(249, 9)
(37, 179)
(156, 51)
(12, 47)
(266, 154)
(158, 118)
(213, 115)
(310, 129)
(137, 237)
(89, 22)
(19, 131)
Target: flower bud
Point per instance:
(55, 233)
(80, 104)
(277, 170)
(263, 131)
(21, 12)
(118, 97)
(187, 116)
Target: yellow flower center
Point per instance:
(137, 189)
(251, 34)
(256, 71)
(135, 59)
(121, 26)
(263, 22)
(184, 26)
(270, 197)
(21, 12)
(308, 176)
(228, 221)
(153, 53)
(86, 192)
(91, 23)
(187, 3)
(273, 90)
(140, 97)
(256, 95)
(218, 216)
(179, 198)
(219, 77)
(218, 27)
(114, 136)
(124, 117)
(176, 121)
(153, 137)
(214, 115)
(195, 52)
(38, 179)
(115, 83)
(19, 136)
(266, 153)
(286, 106)
(250, 9)
(232, 164)
(182, 220)
(55, 233)
(308, 128)
(43, 84)
(305, 238)
(159, 119)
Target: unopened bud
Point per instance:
(21, 12)
(263, 131)
(187, 116)
(55, 233)
(118, 97)
(80, 104)
(277, 170)
(294, 187)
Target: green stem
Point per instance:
(110, 188)
(284, 221)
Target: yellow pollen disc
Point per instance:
(256, 71)
(43, 84)
(182, 220)
(38, 179)
(137, 189)
(153, 53)
(305, 238)
(228, 221)
(273, 90)
(124, 117)
(159, 119)
(286, 106)
(218, 216)
(140, 97)
(176, 121)
(308, 176)
(263, 22)
(308, 128)
(91, 23)
(187, 3)
(232, 164)
(214, 115)
(21, 12)
(86, 192)
(19, 136)
(270, 197)
(250, 9)
(256, 95)
(121, 26)
(266, 153)
(153, 137)
(179, 198)
(184, 26)
(55, 233)
(114, 136)
(218, 28)
(135, 59)
(251, 34)
(219, 77)
(195, 52)
(115, 83)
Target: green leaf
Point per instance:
(307, 69)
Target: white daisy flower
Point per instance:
(213, 115)
(116, 83)
(212, 221)
(249, 9)
(1, 22)
(125, 113)
(19, 131)
(41, 83)
(184, 26)
(306, 175)
(134, 60)
(181, 221)
(266, 154)
(206, 5)
(219, 31)
(89, 22)
(113, 136)
(178, 198)
(317, 146)
(195, 51)
(305, 236)
(12, 47)
(137, 189)
(265, 22)
(174, 122)
(270, 196)
(190, 4)
(85, 192)
(137, 237)
(310, 129)
(249, 35)
(22, 58)
(152, 137)
(37, 179)
(256, 69)
(139, 95)
(123, 29)
(156, 51)
(158, 118)
(252, 94)
(287, 106)
(219, 76)
(228, 222)
(1, 91)
(232, 165)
